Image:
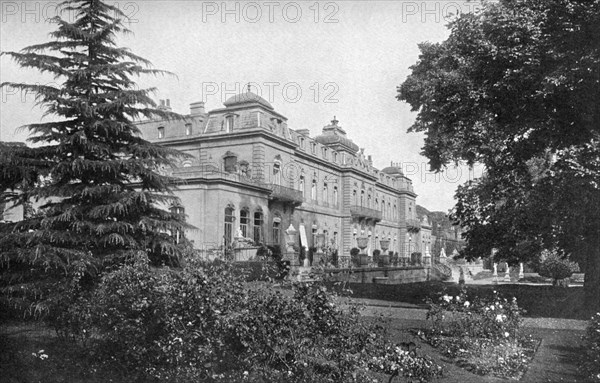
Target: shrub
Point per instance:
(376, 254)
(200, 323)
(591, 363)
(555, 265)
(481, 333)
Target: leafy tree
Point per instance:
(516, 87)
(96, 179)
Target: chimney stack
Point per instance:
(165, 105)
(197, 108)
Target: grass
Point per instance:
(538, 301)
(66, 361)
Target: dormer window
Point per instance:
(258, 119)
(314, 148)
(335, 156)
(229, 124)
(324, 150)
(302, 143)
(161, 132)
(188, 129)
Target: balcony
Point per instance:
(413, 225)
(366, 213)
(285, 194)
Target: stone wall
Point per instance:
(382, 275)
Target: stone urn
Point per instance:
(362, 243)
(385, 256)
(291, 236)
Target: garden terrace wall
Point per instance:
(381, 275)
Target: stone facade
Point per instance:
(249, 173)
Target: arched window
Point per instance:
(229, 124)
(362, 198)
(277, 173)
(180, 211)
(335, 196)
(161, 132)
(228, 232)
(313, 190)
(354, 198)
(188, 129)
(302, 186)
(325, 193)
(258, 227)
(244, 222)
(276, 230)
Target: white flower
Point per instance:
(467, 304)
(498, 318)
(492, 307)
(457, 298)
(446, 298)
(506, 334)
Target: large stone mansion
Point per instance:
(251, 175)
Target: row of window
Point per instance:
(251, 226)
(161, 130)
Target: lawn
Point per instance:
(538, 301)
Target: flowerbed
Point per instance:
(481, 335)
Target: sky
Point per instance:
(311, 60)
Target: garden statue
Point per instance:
(507, 275)
(495, 269)
(521, 274)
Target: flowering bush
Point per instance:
(482, 334)
(492, 318)
(592, 344)
(556, 266)
(202, 323)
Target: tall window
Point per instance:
(362, 198)
(335, 195)
(229, 124)
(313, 190)
(376, 204)
(325, 192)
(180, 211)
(188, 129)
(244, 222)
(277, 173)
(258, 227)
(161, 132)
(276, 230)
(228, 236)
(395, 211)
(301, 186)
(369, 201)
(354, 197)
(389, 209)
(335, 157)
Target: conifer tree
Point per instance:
(96, 178)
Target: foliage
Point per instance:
(515, 88)
(416, 257)
(556, 266)
(354, 251)
(97, 180)
(482, 334)
(377, 256)
(591, 362)
(200, 323)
